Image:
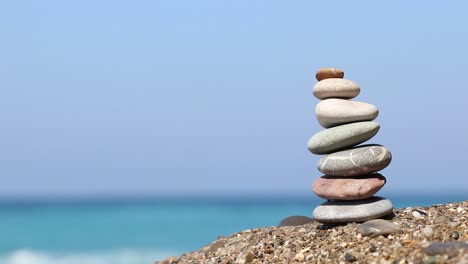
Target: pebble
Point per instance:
(454, 235)
(245, 258)
(348, 188)
(295, 220)
(377, 227)
(336, 88)
(438, 248)
(352, 211)
(339, 137)
(356, 161)
(416, 215)
(299, 257)
(304, 250)
(333, 112)
(427, 231)
(350, 258)
(326, 73)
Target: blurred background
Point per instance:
(135, 130)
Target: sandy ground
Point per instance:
(318, 243)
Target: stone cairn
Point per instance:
(350, 179)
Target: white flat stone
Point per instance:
(352, 211)
(336, 88)
(333, 112)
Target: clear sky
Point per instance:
(203, 97)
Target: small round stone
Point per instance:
(416, 215)
(299, 257)
(377, 227)
(427, 231)
(361, 160)
(336, 88)
(326, 73)
(333, 112)
(348, 188)
(352, 211)
(350, 258)
(454, 235)
(340, 137)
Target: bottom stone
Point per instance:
(352, 211)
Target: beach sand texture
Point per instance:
(435, 234)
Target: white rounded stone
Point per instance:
(336, 88)
(333, 112)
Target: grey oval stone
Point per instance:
(361, 160)
(295, 220)
(340, 137)
(437, 248)
(377, 227)
(336, 88)
(333, 112)
(348, 188)
(352, 211)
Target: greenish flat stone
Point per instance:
(340, 137)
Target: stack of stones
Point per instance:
(350, 179)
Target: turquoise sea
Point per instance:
(142, 230)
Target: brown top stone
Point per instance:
(326, 73)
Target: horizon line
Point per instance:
(275, 196)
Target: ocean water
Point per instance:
(141, 231)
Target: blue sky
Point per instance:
(215, 97)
